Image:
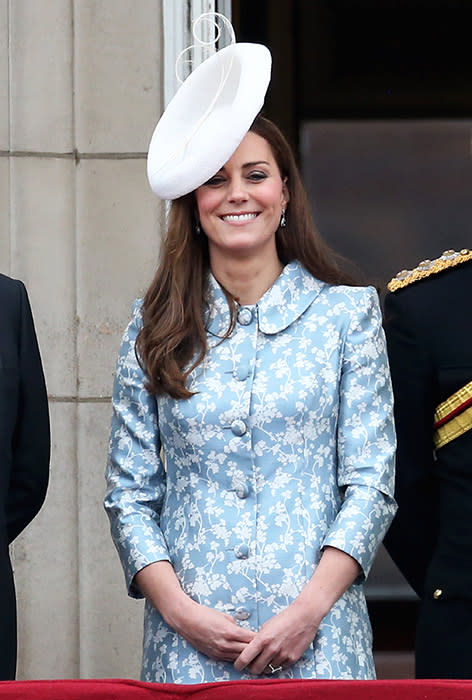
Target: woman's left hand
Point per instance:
(280, 642)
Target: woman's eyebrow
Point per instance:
(251, 164)
(256, 162)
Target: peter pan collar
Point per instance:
(288, 298)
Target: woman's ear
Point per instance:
(285, 193)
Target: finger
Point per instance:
(234, 649)
(271, 668)
(231, 655)
(261, 665)
(268, 660)
(241, 635)
(249, 653)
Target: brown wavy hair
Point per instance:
(172, 341)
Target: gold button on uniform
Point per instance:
(437, 593)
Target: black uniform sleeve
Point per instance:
(31, 439)
(412, 536)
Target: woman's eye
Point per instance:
(257, 175)
(214, 181)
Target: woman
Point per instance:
(264, 380)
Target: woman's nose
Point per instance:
(237, 191)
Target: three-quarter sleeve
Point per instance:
(135, 475)
(365, 438)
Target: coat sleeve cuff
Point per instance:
(361, 525)
(137, 548)
(135, 567)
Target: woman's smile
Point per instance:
(242, 218)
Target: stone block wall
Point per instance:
(80, 92)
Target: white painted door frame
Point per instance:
(178, 18)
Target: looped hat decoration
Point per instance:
(210, 114)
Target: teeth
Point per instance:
(238, 217)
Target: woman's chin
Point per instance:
(242, 243)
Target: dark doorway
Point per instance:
(376, 98)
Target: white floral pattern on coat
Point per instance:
(287, 446)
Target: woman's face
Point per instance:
(240, 207)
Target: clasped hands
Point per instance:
(279, 643)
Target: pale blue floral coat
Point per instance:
(287, 446)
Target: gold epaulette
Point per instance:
(450, 258)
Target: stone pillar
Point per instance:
(80, 93)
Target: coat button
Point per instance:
(437, 593)
(238, 427)
(241, 551)
(242, 491)
(242, 614)
(242, 372)
(245, 316)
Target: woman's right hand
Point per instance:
(215, 634)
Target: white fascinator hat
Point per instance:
(208, 117)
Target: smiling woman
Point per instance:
(260, 373)
(244, 257)
(240, 210)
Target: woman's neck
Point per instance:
(247, 279)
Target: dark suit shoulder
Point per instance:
(436, 300)
(11, 291)
(12, 301)
(9, 285)
(430, 269)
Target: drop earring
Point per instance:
(283, 220)
(198, 230)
